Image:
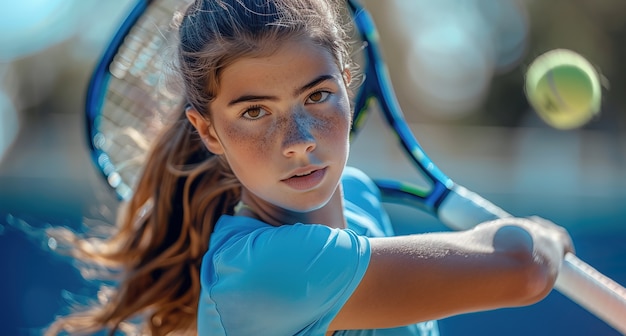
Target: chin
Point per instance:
(309, 205)
(304, 208)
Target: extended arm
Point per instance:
(415, 278)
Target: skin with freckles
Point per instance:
(282, 122)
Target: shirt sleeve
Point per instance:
(289, 280)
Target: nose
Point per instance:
(298, 138)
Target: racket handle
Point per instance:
(593, 291)
(463, 209)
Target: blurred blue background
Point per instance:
(458, 69)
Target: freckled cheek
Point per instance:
(331, 128)
(335, 126)
(248, 141)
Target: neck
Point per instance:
(331, 214)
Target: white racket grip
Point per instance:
(593, 291)
(463, 209)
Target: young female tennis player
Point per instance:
(246, 220)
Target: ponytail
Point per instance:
(162, 234)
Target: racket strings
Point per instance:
(137, 96)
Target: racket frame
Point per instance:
(96, 93)
(377, 86)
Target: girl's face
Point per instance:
(282, 122)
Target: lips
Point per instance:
(306, 179)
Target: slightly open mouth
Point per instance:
(306, 181)
(307, 174)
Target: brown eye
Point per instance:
(318, 97)
(254, 113)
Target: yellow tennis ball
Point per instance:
(564, 89)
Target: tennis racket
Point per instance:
(127, 98)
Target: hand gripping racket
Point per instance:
(126, 96)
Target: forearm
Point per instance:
(460, 272)
(430, 276)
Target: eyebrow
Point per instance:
(297, 92)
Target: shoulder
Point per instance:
(287, 246)
(293, 276)
(363, 205)
(354, 178)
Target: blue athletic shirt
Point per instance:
(259, 279)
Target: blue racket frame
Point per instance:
(377, 86)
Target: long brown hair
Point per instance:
(164, 230)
